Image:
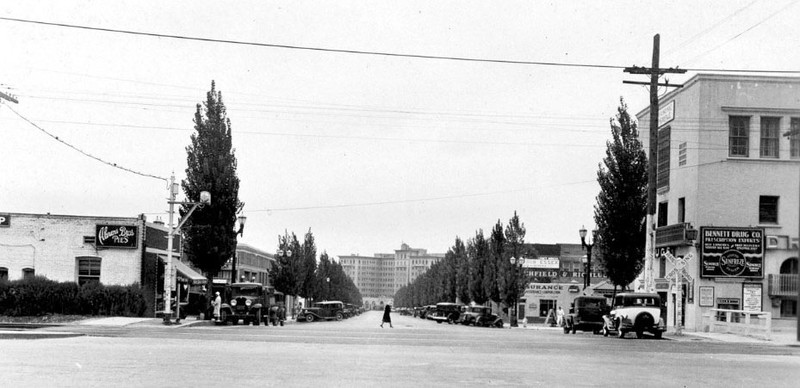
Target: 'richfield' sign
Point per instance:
(732, 252)
(116, 236)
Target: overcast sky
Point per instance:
(367, 151)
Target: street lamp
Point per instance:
(286, 253)
(240, 220)
(515, 263)
(588, 262)
(169, 272)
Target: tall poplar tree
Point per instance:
(497, 255)
(209, 236)
(307, 266)
(512, 281)
(622, 203)
(477, 252)
(459, 253)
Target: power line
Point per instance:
(364, 52)
(84, 152)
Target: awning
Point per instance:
(185, 273)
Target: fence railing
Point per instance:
(748, 323)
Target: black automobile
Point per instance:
(586, 314)
(447, 312)
(248, 302)
(329, 310)
(480, 316)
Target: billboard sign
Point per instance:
(732, 252)
(116, 236)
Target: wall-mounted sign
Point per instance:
(706, 296)
(542, 262)
(666, 113)
(5, 220)
(732, 252)
(751, 296)
(116, 236)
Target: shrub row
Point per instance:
(40, 296)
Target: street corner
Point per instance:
(35, 334)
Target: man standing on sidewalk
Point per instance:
(217, 303)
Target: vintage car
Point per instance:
(635, 312)
(427, 311)
(329, 310)
(586, 314)
(248, 302)
(446, 312)
(480, 316)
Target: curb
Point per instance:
(31, 335)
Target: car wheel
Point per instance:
(498, 324)
(339, 316)
(309, 318)
(223, 317)
(449, 321)
(257, 319)
(639, 334)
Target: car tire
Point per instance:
(498, 324)
(657, 335)
(223, 317)
(639, 334)
(257, 319)
(339, 316)
(309, 318)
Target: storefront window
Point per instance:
(546, 305)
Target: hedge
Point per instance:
(40, 296)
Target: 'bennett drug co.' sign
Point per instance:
(732, 252)
(116, 236)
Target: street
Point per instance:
(357, 352)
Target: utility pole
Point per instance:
(654, 73)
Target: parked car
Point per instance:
(447, 312)
(329, 310)
(480, 316)
(586, 314)
(248, 302)
(635, 312)
(427, 311)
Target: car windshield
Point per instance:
(246, 290)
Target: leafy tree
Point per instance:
(513, 281)
(478, 253)
(307, 266)
(497, 255)
(459, 254)
(209, 236)
(622, 202)
(286, 276)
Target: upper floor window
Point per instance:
(662, 214)
(769, 136)
(794, 140)
(767, 209)
(738, 136)
(682, 154)
(88, 269)
(681, 209)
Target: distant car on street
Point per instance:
(447, 312)
(480, 316)
(329, 310)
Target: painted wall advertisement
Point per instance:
(732, 252)
(751, 296)
(116, 236)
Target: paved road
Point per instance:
(357, 352)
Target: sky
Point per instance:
(366, 151)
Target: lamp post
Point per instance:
(285, 253)
(169, 272)
(587, 274)
(515, 263)
(241, 220)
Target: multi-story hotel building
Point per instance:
(727, 196)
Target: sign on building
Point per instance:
(542, 262)
(116, 236)
(732, 252)
(751, 296)
(5, 220)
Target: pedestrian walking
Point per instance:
(386, 316)
(217, 303)
(560, 317)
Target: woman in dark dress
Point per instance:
(386, 317)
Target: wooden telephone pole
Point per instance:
(652, 159)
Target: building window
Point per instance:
(662, 214)
(681, 210)
(28, 273)
(662, 176)
(794, 140)
(767, 209)
(682, 154)
(739, 135)
(769, 137)
(3, 274)
(88, 270)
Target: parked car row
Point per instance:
(631, 313)
(328, 311)
(453, 313)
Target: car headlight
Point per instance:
(233, 302)
(248, 302)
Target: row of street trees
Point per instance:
(479, 271)
(298, 273)
(209, 235)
